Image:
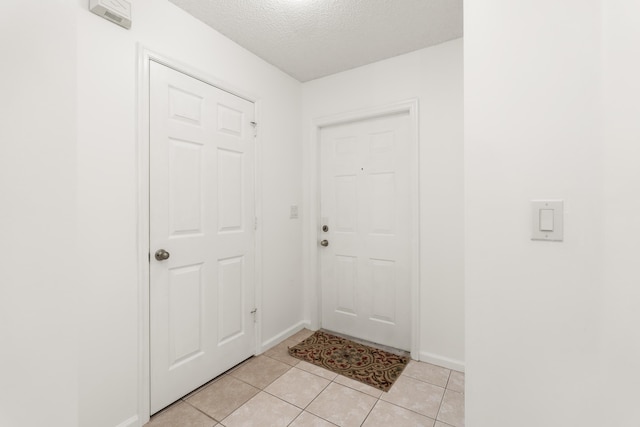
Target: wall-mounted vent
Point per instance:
(116, 11)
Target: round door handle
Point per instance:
(162, 255)
(324, 243)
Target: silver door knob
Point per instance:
(324, 243)
(162, 255)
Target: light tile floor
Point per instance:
(275, 389)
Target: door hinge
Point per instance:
(255, 128)
(254, 311)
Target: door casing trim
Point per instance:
(144, 56)
(312, 182)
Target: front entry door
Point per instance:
(201, 229)
(365, 203)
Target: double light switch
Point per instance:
(547, 220)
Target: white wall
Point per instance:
(551, 111)
(621, 293)
(434, 76)
(38, 348)
(107, 198)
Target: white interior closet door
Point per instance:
(201, 228)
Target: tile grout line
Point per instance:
(278, 360)
(308, 404)
(235, 378)
(201, 411)
(370, 411)
(416, 412)
(351, 388)
(272, 348)
(411, 410)
(312, 373)
(442, 399)
(318, 395)
(446, 386)
(424, 381)
(314, 399)
(192, 393)
(220, 421)
(261, 389)
(294, 420)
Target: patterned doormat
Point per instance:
(372, 366)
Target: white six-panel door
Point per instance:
(365, 201)
(202, 214)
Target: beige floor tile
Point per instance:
(240, 365)
(427, 372)
(262, 410)
(452, 409)
(317, 370)
(342, 405)
(456, 381)
(307, 419)
(181, 414)
(260, 371)
(415, 395)
(385, 414)
(222, 397)
(199, 389)
(441, 424)
(300, 335)
(357, 385)
(281, 352)
(297, 387)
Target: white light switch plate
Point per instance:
(546, 225)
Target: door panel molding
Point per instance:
(312, 227)
(144, 57)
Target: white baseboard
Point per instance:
(130, 422)
(271, 342)
(445, 362)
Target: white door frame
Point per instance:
(146, 55)
(313, 283)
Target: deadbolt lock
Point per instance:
(325, 228)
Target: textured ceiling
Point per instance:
(308, 39)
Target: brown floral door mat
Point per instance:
(372, 366)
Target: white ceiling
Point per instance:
(308, 39)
